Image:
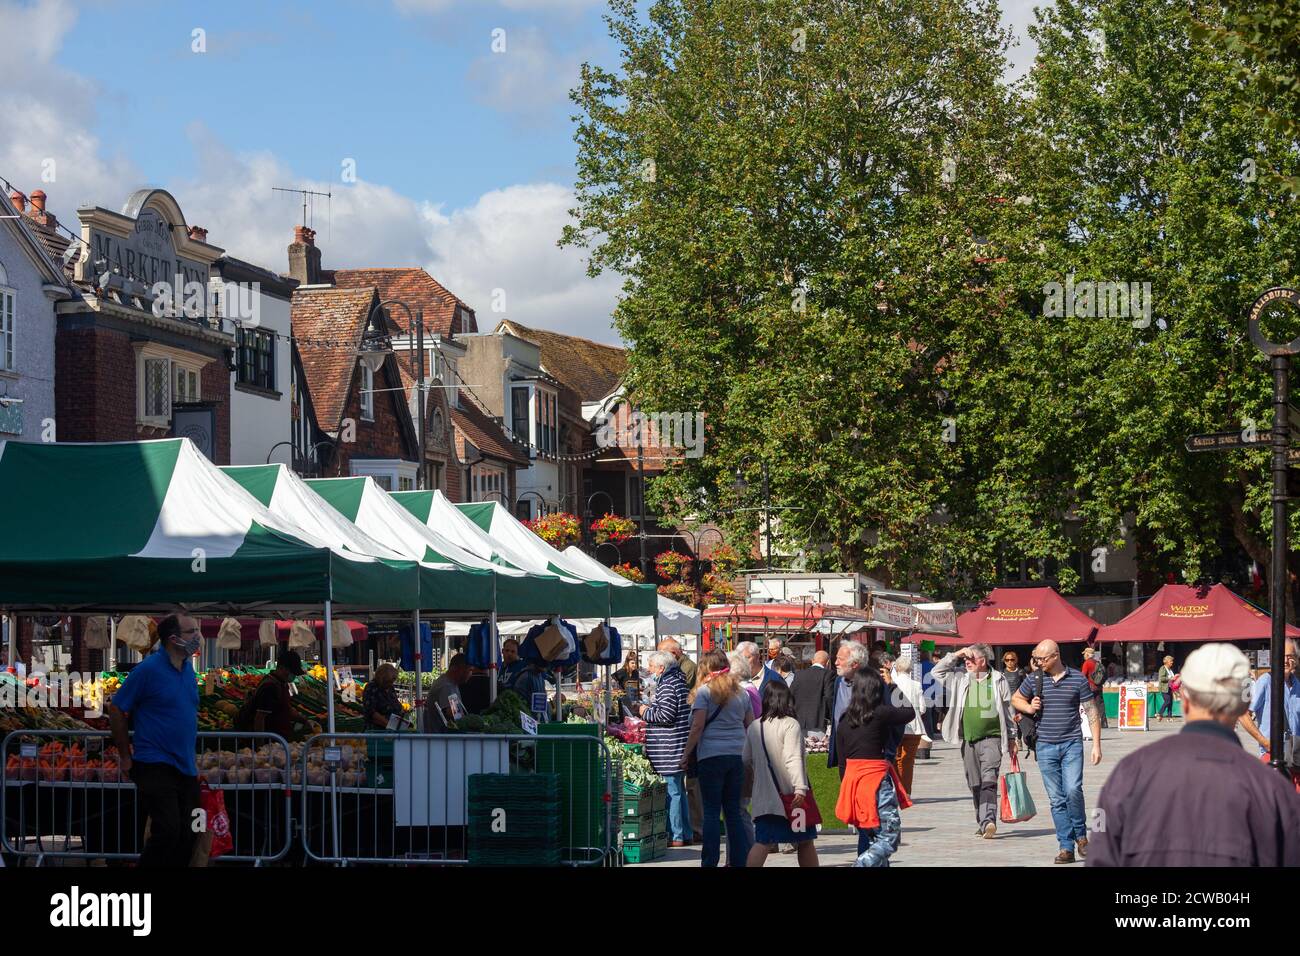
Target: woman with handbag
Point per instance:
(720, 714)
(783, 805)
(1166, 678)
(871, 791)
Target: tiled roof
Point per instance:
(590, 369)
(328, 324)
(484, 432)
(417, 289)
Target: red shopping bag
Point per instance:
(1015, 805)
(214, 807)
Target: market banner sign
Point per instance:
(1133, 706)
(892, 614)
(939, 617)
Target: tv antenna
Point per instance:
(306, 201)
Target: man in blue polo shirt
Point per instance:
(1258, 719)
(1053, 698)
(161, 698)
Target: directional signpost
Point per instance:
(1285, 418)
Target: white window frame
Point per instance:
(393, 470)
(175, 358)
(367, 393)
(488, 483)
(8, 339)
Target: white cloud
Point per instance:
(1016, 16)
(506, 240)
(46, 112)
(528, 79)
(417, 7)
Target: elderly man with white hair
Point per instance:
(1196, 798)
(759, 672)
(668, 724)
(980, 716)
(849, 659)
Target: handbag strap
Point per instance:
(762, 736)
(1015, 762)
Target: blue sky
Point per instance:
(464, 158)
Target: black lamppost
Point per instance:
(1280, 359)
(545, 505)
(587, 515)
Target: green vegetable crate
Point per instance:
(639, 828)
(514, 820)
(639, 851)
(582, 773)
(661, 846)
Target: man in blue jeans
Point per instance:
(1053, 697)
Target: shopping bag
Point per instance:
(214, 807)
(1015, 803)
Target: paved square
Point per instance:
(939, 829)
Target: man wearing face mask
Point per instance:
(161, 698)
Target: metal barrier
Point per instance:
(62, 795)
(404, 798)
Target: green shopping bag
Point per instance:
(1016, 805)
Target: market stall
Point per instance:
(1174, 621)
(806, 627)
(1019, 617)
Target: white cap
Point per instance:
(1216, 668)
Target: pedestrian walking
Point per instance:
(720, 714)
(774, 759)
(668, 724)
(850, 657)
(759, 670)
(160, 697)
(1014, 675)
(812, 688)
(784, 667)
(1165, 684)
(1052, 697)
(871, 791)
(1197, 798)
(1258, 718)
(1096, 675)
(914, 733)
(980, 716)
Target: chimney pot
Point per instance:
(38, 201)
(198, 233)
(304, 236)
(304, 257)
(19, 201)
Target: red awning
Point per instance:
(248, 629)
(1022, 616)
(784, 617)
(1185, 612)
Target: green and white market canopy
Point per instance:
(154, 526)
(519, 593)
(627, 599)
(429, 586)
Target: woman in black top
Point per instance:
(875, 711)
(1015, 675)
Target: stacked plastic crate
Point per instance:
(514, 819)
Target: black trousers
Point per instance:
(168, 798)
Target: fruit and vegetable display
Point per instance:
(630, 731)
(501, 718)
(57, 762)
(816, 743)
(267, 765)
(230, 687)
(636, 768)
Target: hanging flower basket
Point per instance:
(629, 571)
(681, 592)
(559, 530)
(670, 565)
(725, 559)
(613, 529)
(718, 590)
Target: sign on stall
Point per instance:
(1133, 706)
(529, 724)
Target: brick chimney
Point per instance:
(304, 257)
(38, 213)
(198, 233)
(19, 201)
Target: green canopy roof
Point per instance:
(150, 526)
(519, 593)
(436, 587)
(527, 550)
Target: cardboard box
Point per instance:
(551, 644)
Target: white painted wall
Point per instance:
(257, 422)
(32, 379)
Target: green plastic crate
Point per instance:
(661, 846)
(638, 851)
(638, 828)
(660, 822)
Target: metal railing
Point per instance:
(405, 799)
(62, 795)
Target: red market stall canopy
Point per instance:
(787, 618)
(1019, 616)
(249, 629)
(1185, 612)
